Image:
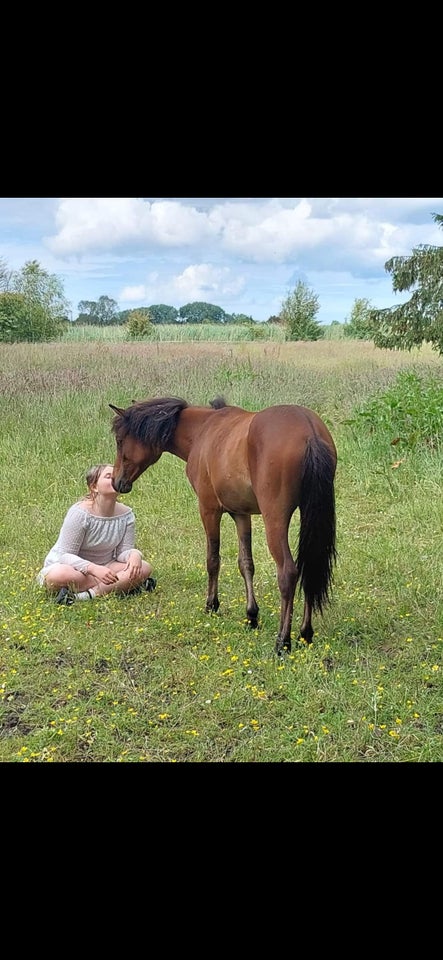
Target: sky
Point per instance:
(244, 254)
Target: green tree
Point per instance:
(298, 312)
(43, 288)
(359, 326)
(22, 319)
(5, 275)
(158, 313)
(33, 304)
(239, 318)
(107, 311)
(102, 312)
(420, 319)
(200, 312)
(162, 313)
(87, 312)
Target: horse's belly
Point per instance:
(236, 496)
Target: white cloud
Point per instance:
(363, 232)
(197, 282)
(131, 294)
(103, 223)
(199, 279)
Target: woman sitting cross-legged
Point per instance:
(95, 551)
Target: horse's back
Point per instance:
(288, 426)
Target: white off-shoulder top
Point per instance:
(85, 538)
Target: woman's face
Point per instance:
(104, 482)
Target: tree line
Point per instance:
(33, 306)
(105, 311)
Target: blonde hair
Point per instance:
(92, 477)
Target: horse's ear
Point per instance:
(116, 409)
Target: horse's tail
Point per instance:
(316, 546)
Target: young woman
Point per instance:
(95, 551)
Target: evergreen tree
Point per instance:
(420, 319)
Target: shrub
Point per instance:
(410, 413)
(22, 319)
(139, 326)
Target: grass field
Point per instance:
(155, 679)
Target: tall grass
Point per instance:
(178, 333)
(155, 679)
(191, 333)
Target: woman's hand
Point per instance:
(134, 565)
(103, 574)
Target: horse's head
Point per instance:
(134, 453)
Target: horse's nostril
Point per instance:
(123, 486)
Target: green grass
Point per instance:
(178, 333)
(154, 678)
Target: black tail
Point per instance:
(316, 546)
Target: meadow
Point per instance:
(153, 679)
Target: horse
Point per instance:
(239, 462)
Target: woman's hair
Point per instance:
(92, 476)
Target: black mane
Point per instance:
(150, 421)
(154, 421)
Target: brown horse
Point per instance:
(243, 463)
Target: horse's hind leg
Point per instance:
(246, 565)
(287, 576)
(306, 630)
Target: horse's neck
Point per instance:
(189, 424)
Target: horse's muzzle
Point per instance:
(122, 486)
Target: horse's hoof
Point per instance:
(282, 648)
(212, 607)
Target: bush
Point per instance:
(140, 327)
(409, 414)
(21, 319)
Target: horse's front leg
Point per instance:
(246, 565)
(211, 522)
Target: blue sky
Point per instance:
(244, 254)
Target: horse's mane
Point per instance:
(150, 421)
(154, 421)
(217, 403)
